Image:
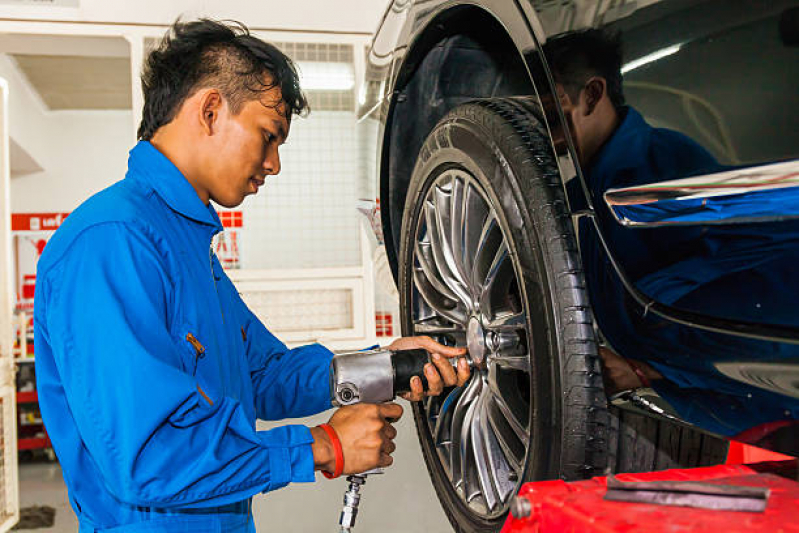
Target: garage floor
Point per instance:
(400, 501)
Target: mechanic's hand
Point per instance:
(366, 435)
(441, 373)
(618, 373)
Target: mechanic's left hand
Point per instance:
(441, 373)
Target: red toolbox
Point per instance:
(580, 507)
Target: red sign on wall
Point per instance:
(231, 219)
(30, 232)
(37, 221)
(227, 242)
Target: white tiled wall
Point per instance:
(303, 309)
(306, 217)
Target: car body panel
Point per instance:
(680, 77)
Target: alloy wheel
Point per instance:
(466, 291)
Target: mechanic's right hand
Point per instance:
(366, 435)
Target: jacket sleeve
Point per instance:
(286, 383)
(155, 437)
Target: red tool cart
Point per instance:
(31, 433)
(584, 506)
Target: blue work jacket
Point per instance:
(151, 370)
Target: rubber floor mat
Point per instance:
(35, 517)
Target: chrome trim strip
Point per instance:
(734, 183)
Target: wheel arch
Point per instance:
(430, 82)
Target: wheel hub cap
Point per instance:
(476, 342)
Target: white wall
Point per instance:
(324, 15)
(87, 152)
(307, 217)
(81, 152)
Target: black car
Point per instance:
(601, 200)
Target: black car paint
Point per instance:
(424, 31)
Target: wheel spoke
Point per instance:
(447, 231)
(437, 301)
(498, 399)
(441, 433)
(496, 282)
(508, 321)
(489, 242)
(512, 360)
(506, 470)
(424, 256)
(497, 263)
(458, 207)
(483, 457)
(469, 455)
(475, 214)
(504, 441)
(442, 262)
(426, 327)
(518, 428)
(459, 416)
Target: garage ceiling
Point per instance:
(78, 82)
(73, 72)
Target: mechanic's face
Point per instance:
(586, 119)
(244, 148)
(548, 102)
(573, 113)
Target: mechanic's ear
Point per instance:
(593, 92)
(210, 106)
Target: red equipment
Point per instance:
(579, 507)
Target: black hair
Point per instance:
(223, 55)
(576, 56)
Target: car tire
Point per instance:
(501, 148)
(498, 152)
(640, 443)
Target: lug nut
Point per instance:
(520, 507)
(492, 341)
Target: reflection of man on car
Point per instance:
(719, 271)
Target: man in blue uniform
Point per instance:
(151, 370)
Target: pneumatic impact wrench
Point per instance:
(374, 376)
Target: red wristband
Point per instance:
(640, 373)
(337, 449)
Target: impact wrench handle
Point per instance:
(374, 376)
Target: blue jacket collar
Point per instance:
(170, 184)
(627, 148)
